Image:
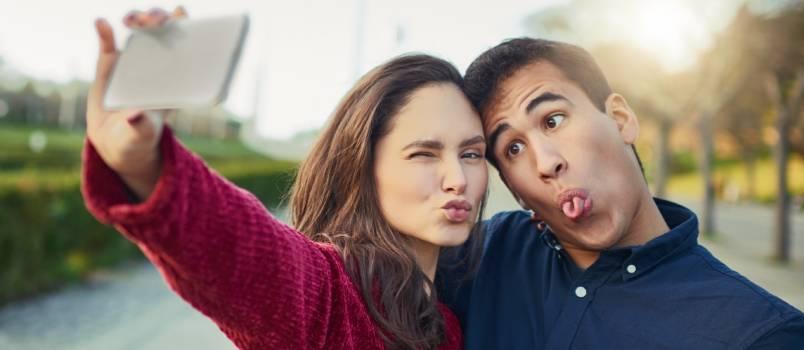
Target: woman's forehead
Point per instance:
(437, 111)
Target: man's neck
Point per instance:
(646, 224)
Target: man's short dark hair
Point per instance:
(489, 70)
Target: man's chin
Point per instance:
(595, 240)
(598, 245)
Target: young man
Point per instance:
(600, 263)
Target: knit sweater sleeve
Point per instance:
(219, 248)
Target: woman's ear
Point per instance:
(617, 109)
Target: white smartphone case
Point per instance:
(183, 64)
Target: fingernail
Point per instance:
(129, 17)
(135, 119)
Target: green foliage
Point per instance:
(683, 162)
(47, 237)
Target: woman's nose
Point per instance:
(454, 179)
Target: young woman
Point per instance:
(398, 173)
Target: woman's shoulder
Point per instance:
(332, 254)
(453, 334)
(449, 316)
(337, 267)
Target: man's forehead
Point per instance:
(539, 76)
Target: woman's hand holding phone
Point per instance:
(127, 140)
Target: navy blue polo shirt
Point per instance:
(670, 293)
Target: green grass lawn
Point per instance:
(734, 175)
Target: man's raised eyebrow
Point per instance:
(432, 144)
(545, 97)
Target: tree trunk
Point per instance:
(662, 157)
(782, 217)
(785, 105)
(706, 162)
(750, 158)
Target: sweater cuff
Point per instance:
(108, 198)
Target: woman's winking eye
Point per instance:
(420, 154)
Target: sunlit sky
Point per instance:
(306, 54)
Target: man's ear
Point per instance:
(617, 108)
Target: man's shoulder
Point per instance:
(506, 222)
(788, 335)
(506, 226)
(735, 297)
(724, 278)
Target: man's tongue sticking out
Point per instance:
(575, 204)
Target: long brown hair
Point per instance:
(334, 200)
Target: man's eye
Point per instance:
(515, 148)
(554, 121)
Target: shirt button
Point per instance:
(580, 292)
(631, 269)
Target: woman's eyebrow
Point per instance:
(473, 141)
(432, 144)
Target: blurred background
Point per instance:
(718, 87)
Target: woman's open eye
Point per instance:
(472, 155)
(514, 149)
(554, 120)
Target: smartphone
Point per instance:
(185, 63)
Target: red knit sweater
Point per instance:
(265, 284)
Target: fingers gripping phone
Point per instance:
(182, 64)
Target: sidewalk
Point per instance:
(130, 308)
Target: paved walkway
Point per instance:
(128, 308)
(131, 308)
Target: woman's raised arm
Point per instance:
(262, 282)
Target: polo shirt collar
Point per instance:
(637, 260)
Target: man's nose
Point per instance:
(549, 161)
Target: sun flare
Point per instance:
(668, 30)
